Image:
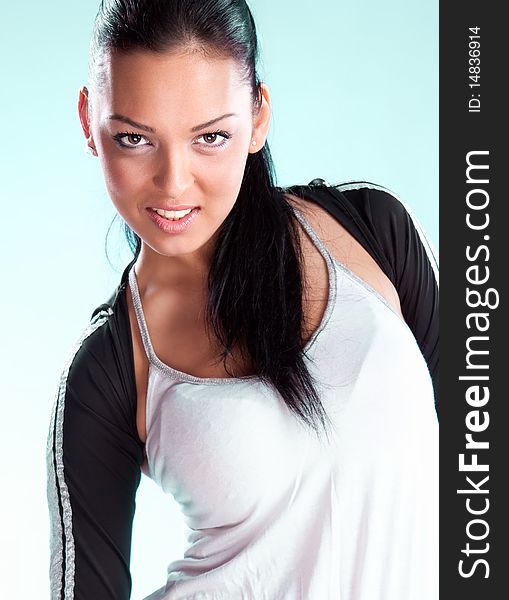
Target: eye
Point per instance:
(135, 137)
(212, 136)
(210, 139)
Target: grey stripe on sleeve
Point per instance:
(61, 537)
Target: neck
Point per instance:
(185, 272)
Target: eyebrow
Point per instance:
(124, 119)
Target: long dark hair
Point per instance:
(255, 281)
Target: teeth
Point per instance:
(172, 214)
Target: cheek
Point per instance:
(123, 180)
(227, 171)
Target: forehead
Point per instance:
(184, 84)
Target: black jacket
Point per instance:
(94, 453)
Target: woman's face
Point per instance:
(171, 130)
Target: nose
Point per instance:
(174, 176)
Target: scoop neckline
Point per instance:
(179, 375)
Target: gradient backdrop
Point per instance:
(355, 96)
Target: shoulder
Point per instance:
(96, 390)
(102, 354)
(387, 213)
(345, 235)
(375, 215)
(373, 202)
(88, 361)
(91, 342)
(361, 207)
(98, 374)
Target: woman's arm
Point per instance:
(93, 467)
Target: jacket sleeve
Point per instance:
(415, 273)
(94, 469)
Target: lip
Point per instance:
(173, 227)
(176, 207)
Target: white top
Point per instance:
(277, 514)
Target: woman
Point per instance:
(269, 356)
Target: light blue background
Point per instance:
(354, 87)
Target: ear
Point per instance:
(84, 115)
(261, 120)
